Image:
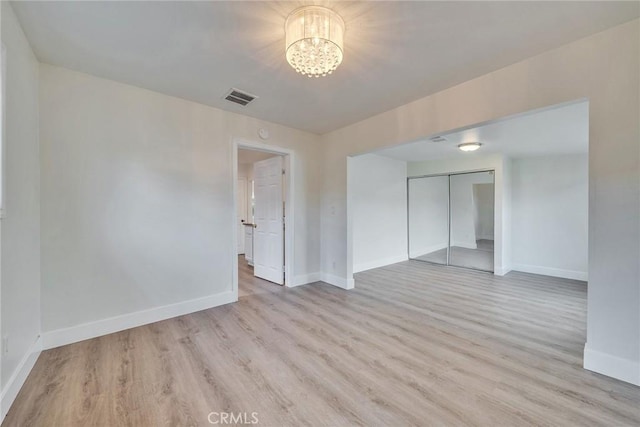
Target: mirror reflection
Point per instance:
(471, 228)
(429, 219)
(451, 219)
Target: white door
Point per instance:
(242, 212)
(268, 236)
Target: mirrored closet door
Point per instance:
(428, 208)
(471, 223)
(451, 219)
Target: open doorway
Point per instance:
(526, 209)
(518, 202)
(263, 208)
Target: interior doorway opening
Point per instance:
(263, 209)
(539, 161)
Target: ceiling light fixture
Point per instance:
(469, 146)
(314, 40)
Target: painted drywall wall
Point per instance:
(428, 215)
(463, 218)
(20, 259)
(137, 198)
(550, 215)
(379, 195)
(603, 68)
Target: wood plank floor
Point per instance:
(413, 344)
(248, 284)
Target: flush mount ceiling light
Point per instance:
(314, 40)
(469, 146)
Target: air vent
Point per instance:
(239, 97)
(438, 139)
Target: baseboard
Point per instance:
(19, 376)
(340, 282)
(351, 283)
(305, 279)
(612, 366)
(554, 272)
(60, 337)
(415, 253)
(363, 266)
(501, 271)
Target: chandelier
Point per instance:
(314, 37)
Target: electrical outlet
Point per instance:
(333, 265)
(5, 344)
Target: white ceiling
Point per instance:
(395, 52)
(559, 130)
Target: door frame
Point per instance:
(289, 197)
(246, 209)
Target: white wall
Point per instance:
(428, 215)
(603, 68)
(379, 196)
(20, 259)
(550, 215)
(137, 200)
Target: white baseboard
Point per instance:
(340, 282)
(554, 272)
(501, 271)
(612, 366)
(60, 337)
(19, 376)
(305, 279)
(363, 266)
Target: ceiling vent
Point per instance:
(239, 97)
(438, 139)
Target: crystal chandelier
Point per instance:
(314, 37)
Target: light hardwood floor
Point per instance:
(413, 344)
(248, 284)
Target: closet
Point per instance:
(451, 219)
